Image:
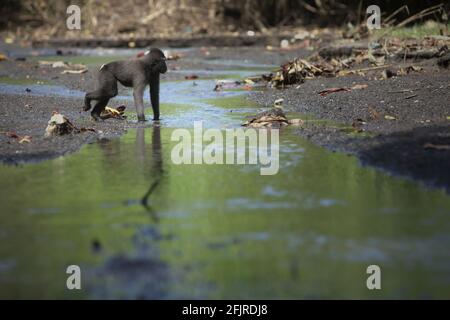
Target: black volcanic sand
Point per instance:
(396, 146)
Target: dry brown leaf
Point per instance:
(25, 139)
(74, 71)
(359, 86)
(296, 122)
(374, 114)
(325, 92)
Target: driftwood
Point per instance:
(421, 54)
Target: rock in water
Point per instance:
(58, 125)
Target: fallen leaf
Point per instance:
(296, 122)
(388, 117)
(359, 86)
(436, 146)
(191, 77)
(59, 64)
(25, 139)
(109, 112)
(74, 71)
(325, 92)
(20, 139)
(12, 135)
(374, 114)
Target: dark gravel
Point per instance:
(396, 146)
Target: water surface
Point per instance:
(140, 226)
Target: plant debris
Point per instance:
(333, 90)
(71, 68)
(117, 113)
(274, 118)
(388, 117)
(59, 125)
(326, 92)
(191, 77)
(20, 139)
(74, 71)
(335, 61)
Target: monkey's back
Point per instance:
(123, 71)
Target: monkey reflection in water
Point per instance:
(156, 163)
(148, 167)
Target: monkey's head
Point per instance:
(157, 60)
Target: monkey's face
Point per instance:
(159, 66)
(158, 61)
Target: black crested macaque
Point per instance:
(136, 73)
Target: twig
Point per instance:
(370, 68)
(153, 15)
(421, 14)
(405, 7)
(404, 91)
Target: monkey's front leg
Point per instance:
(138, 94)
(154, 96)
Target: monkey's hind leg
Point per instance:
(106, 90)
(98, 108)
(93, 95)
